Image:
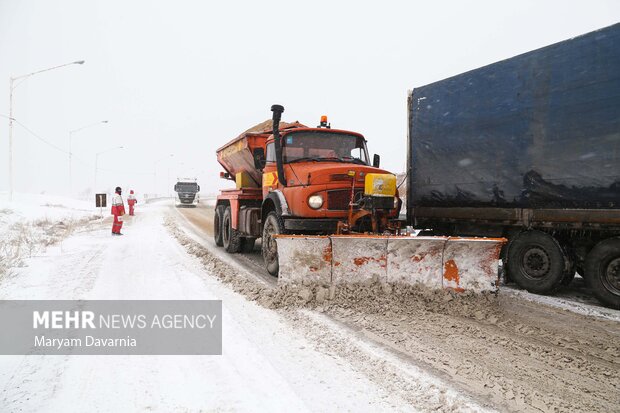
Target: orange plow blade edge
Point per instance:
(460, 264)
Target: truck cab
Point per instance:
(322, 168)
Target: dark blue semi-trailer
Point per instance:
(527, 148)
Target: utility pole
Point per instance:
(11, 87)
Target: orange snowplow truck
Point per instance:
(293, 179)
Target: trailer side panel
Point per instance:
(540, 130)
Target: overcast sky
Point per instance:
(184, 77)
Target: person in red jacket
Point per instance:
(131, 201)
(118, 210)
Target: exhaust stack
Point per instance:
(277, 115)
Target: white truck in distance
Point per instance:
(187, 192)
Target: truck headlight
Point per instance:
(315, 201)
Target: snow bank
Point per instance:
(30, 223)
(42, 206)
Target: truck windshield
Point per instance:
(186, 187)
(323, 146)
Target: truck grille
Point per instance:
(338, 199)
(187, 198)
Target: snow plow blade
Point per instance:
(304, 260)
(460, 264)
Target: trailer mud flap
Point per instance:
(460, 264)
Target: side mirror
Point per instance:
(198, 188)
(259, 158)
(376, 160)
(176, 188)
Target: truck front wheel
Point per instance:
(217, 225)
(603, 272)
(273, 225)
(536, 262)
(230, 236)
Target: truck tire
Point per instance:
(217, 225)
(247, 244)
(230, 236)
(273, 225)
(603, 272)
(536, 262)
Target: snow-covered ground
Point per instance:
(29, 223)
(287, 359)
(570, 303)
(43, 207)
(265, 365)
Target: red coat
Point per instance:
(118, 207)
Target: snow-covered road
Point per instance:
(371, 353)
(508, 351)
(265, 364)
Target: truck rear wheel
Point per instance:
(536, 262)
(603, 272)
(217, 225)
(230, 236)
(273, 225)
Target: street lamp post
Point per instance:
(71, 133)
(155, 171)
(12, 87)
(97, 163)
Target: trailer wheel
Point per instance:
(230, 236)
(536, 262)
(247, 244)
(603, 272)
(273, 225)
(217, 225)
